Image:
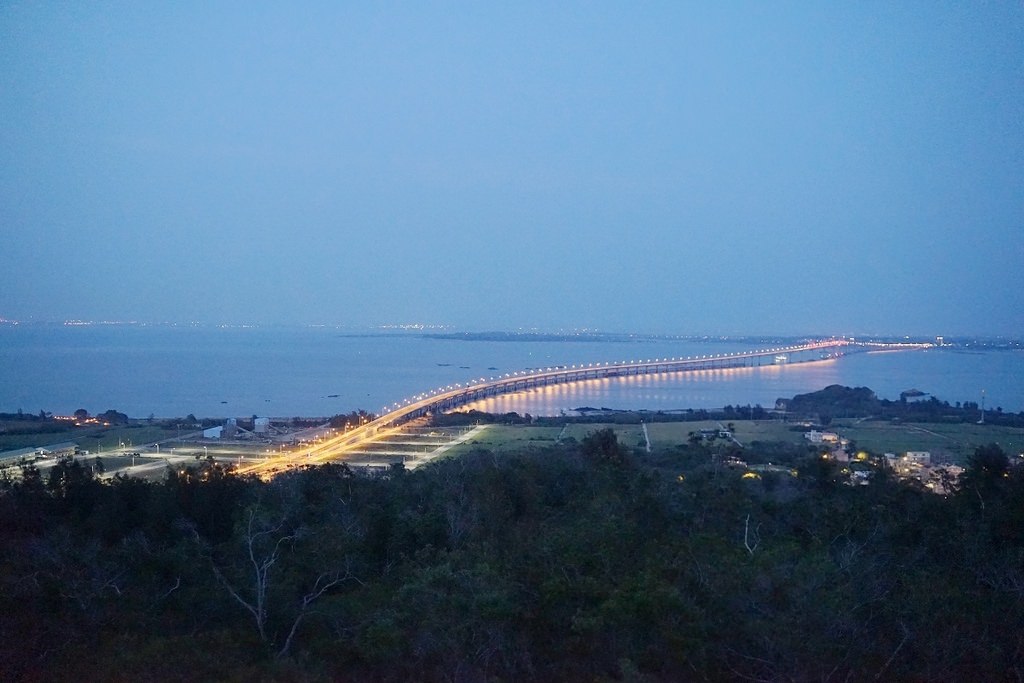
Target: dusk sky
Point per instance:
(719, 168)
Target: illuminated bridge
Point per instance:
(456, 395)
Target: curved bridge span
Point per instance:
(457, 395)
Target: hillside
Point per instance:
(581, 561)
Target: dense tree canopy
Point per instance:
(582, 562)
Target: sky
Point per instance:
(676, 167)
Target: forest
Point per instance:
(584, 561)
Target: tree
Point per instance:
(603, 446)
(985, 472)
(989, 462)
(277, 567)
(113, 417)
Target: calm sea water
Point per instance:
(167, 371)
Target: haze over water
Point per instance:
(283, 372)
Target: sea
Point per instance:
(172, 371)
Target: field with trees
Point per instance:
(582, 559)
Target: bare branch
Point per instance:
(746, 536)
(906, 634)
(176, 586)
(323, 583)
(255, 609)
(251, 608)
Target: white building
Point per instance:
(919, 457)
(821, 437)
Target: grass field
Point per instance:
(951, 442)
(954, 442)
(746, 432)
(110, 439)
(500, 438)
(90, 439)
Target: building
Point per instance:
(213, 433)
(913, 396)
(58, 450)
(815, 436)
(7, 457)
(261, 425)
(919, 457)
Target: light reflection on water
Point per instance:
(949, 375)
(669, 391)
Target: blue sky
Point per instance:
(664, 167)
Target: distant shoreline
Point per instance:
(444, 332)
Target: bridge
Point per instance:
(454, 396)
